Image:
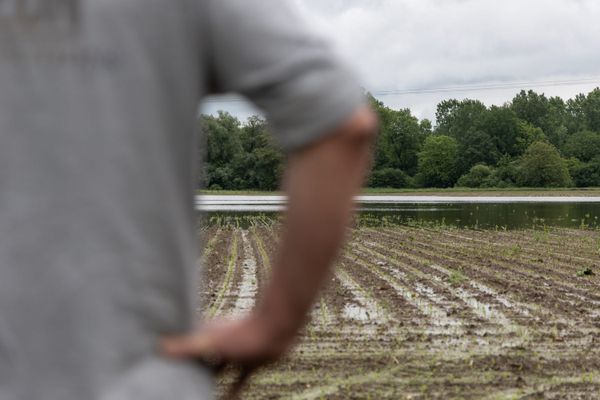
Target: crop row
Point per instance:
(427, 313)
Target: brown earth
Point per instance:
(423, 313)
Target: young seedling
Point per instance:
(456, 278)
(587, 271)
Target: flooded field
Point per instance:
(498, 212)
(427, 311)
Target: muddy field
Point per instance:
(429, 313)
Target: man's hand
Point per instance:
(245, 344)
(320, 182)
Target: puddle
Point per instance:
(358, 313)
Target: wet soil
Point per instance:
(416, 313)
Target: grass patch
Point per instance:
(456, 278)
(585, 272)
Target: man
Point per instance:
(97, 111)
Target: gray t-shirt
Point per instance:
(98, 105)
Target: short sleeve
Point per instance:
(265, 51)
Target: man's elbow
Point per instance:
(361, 128)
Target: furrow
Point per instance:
(363, 308)
(248, 286)
(225, 288)
(451, 254)
(527, 252)
(481, 309)
(425, 301)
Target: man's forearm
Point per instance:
(320, 183)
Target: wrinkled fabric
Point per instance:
(98, 104)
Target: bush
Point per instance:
(389, 178)
(506, 172)
(480, 175)
(542, 166)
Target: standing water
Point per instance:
(471, 212)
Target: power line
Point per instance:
(486, 87)
(458, 88)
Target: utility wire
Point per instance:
(458, 88)
(491, 86)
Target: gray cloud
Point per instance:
(403, 44)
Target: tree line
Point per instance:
(531, 141)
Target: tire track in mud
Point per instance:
(520, 281)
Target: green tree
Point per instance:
(575, 118)
(591, 110)
(476, 146)
(504, 138)
(438, 160)
(583, 145)
(222, 137)
(528, 134)
(583, 112)
(240, 156)
(467, 122)
(400, 139)
(455, 117)
(542, 166)
(505, 128)
(261, 164)
(268, 168)
(541, 112)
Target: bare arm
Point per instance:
(320, 181)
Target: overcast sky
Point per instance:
(427, 45)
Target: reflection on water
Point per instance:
(492, 213)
